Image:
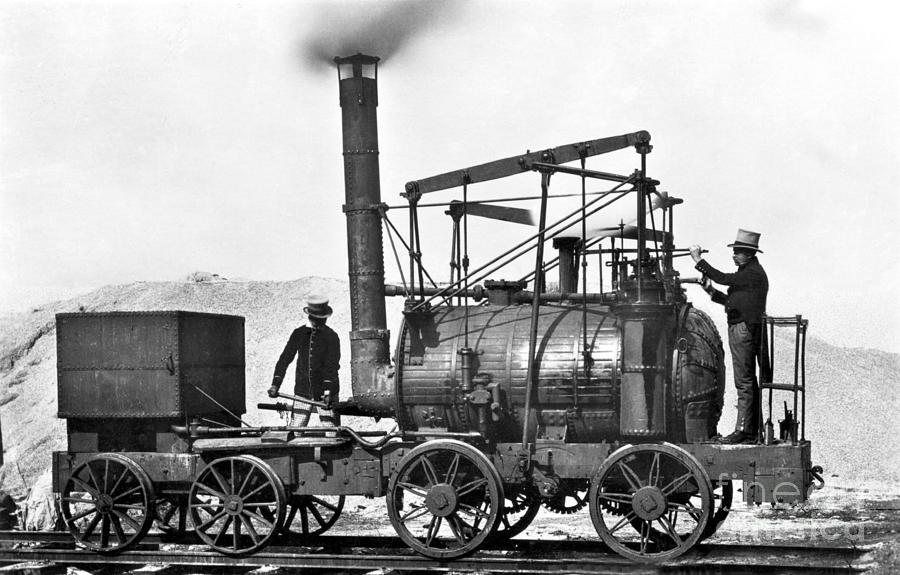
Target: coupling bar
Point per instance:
(525, 162)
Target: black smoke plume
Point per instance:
(374, 27)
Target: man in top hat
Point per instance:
(745, 303)
(318, 351)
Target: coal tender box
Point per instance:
(124, 378)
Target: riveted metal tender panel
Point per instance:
(149, 364)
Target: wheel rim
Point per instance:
(236, 504)
(445, 499)
(723, 492)
(650, 503)
(312, 515)
(107, 503)
(520, 506)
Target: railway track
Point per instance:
(50, 553)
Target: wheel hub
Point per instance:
(233, 505)
(441, 500)
(104, 503)
(649, 503)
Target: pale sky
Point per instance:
(147, 140)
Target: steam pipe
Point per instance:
(371, 381)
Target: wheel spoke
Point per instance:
(670, 529)
(412, 488)
(84, 486)
(316, 514)
(676, 483)
(246, 481)
(475, 512)
(414, 513)
(77, 500)
(129, 492)
(622, 522)
(260, 518)
(433, 529)
(457, 529)
(645, 536)
(84, 513)
(106, 488)
(221, 480)
(430, 471)
(117, 483)
(117, 527)
(223, 530)
(451, 471)
(104, 532)
(257, 490)
(325, 504)
(94, 478)
(209, 522)
(211, 491)
(653, 478)
(124, 516)
(304, 520)
(90, 527)
(633, 480)
(471, 486)
(250, 529)
(260, 504)
(236, 532)
(616, 497)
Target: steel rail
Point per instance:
(517, 556)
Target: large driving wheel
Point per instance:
(312, 515)
(521, 505)
(107, 503)
(237, 504)
(650, 503)
(445, 499)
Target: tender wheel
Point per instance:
(650, 503)
(312, 515)
(445, 499)
(237, 504)
(107, 503)
(521, 505)
(171, 514)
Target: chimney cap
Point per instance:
(358, 58)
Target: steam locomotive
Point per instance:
(507, 399)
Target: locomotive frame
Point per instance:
(492, 424)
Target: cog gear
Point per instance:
(572, 496)
(520, 498)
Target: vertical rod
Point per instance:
(412, 247)
(465, 260)
(803, 381)
(535, 308)
(796, 371)
(586, 357)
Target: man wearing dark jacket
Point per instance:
(745, 304)
(318, 351)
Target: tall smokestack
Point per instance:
(372, 384)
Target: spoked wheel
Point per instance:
(650, 503)
(237, 504)
(312, 515)
(445, 499)
(171, 514)
(521, 505)
(107, 503)
(723, 491)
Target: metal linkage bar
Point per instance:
(524, 163)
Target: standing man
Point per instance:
(318, 351)
(745, 304)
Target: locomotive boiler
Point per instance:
(509, 396)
